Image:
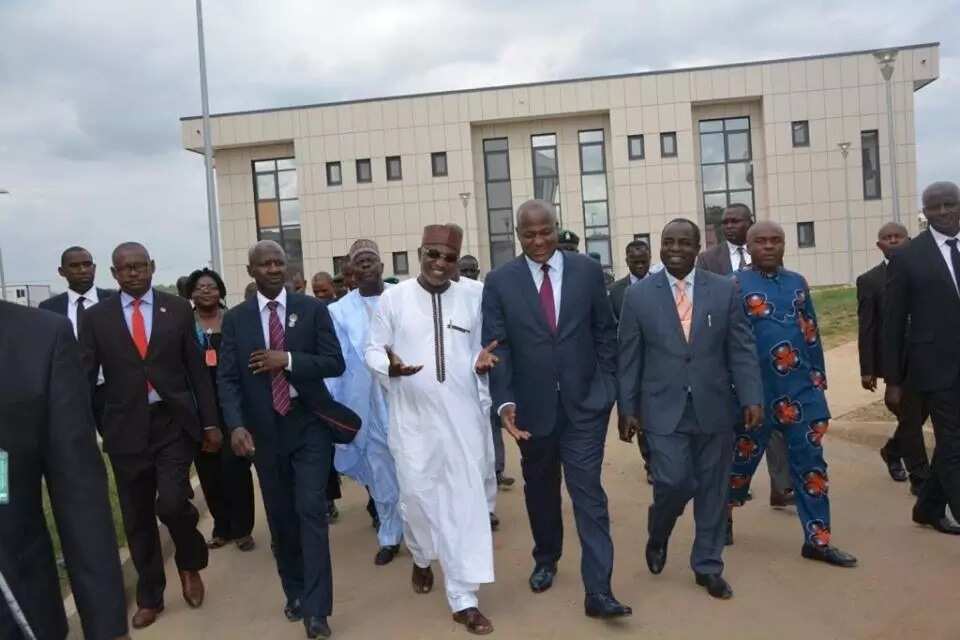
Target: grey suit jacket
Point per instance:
(658, 368)
(716, 259)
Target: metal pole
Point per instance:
(3, 280)
(845, 151)
(465, 199)
(886, 59)
(208, 149)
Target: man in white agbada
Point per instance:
(367, 459)
(439, 433)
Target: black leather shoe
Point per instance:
(828, 554)
(292, 611)
(942, 524)
(656, 557)
(317, 627)
(542, 577)
(386, 555)
(604, 605)
(894, 466)
(715, 584)
(729, 538)
(504, 481)
(494, 521)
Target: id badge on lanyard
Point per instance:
(4, 477)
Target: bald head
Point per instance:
(128, 247)
(765, 227)
(941, 206)
(537, 230)
(766, 243)
(322, 285)
(891, 236)
(267, 265)
(132, 268)
(270, 246)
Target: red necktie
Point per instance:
(279, 386)
(140, 334)
(546, 299)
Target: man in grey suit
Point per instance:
(687, 374)
(732, 256)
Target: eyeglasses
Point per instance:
(433, 254)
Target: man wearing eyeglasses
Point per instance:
(425, 347)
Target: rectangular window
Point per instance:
(806, 237)
(277, 207)
(593, 181)
(801, 133)
(726, 171)
(338, 264)
(642, 237)
(870, 144)
(496, 169)
(394, 170)
(364, 170)
(668, 144)
(546, 173)
(401, 263)
(635, 147)
(438, 161)
(334, 174)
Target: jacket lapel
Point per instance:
(251, 316)
(942, 269)
(528, 290)
(701, 289)
(671, 318)
(120, 326)
(159, 311)
(567, 289)
(724, 250)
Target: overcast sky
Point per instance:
(91, 92)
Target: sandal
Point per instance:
(475, 622)
(422, 579)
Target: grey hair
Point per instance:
(263, 244)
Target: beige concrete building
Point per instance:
(619, 155)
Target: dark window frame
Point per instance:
(540, 176)
(338, 264)
(643, 147)
(399, 175)
(604, 230)
(330, 167)
(805, 128)
(663, 138)
(812, 242)
(397, 269)
(726, 162)
(436, 155)
(876, 171)
(498, 238)
(369, 165)
(296, 263)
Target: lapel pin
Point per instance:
(163, 309)
(292, 321)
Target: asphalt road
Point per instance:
(905, 586)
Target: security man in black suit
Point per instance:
(906, 446)
(923, 289)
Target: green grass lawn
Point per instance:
(837, 313)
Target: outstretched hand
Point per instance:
(398, 368)
(508, 418)
(486, 360)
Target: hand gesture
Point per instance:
(212, 440)
(868, 382)
(628, 427)
(267, 361)
(486, 360)
(397, 368)
(242, 443)
(752, 416)
(508, 418)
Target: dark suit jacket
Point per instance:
(716, 259)
(870, 294)
(58, 303)
(616, 293)
(920, 290)
(173, 366)
(246, 399)
(580, 360)
(46, 428)
(658, 368)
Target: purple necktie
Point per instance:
(546, 299)
(278, 382)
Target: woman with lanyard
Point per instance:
(225, 479)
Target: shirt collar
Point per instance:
(126, 299)
(281, 298)
(90, 296)
(635, 279)
(555, 262)
(733, 247)
(688, 279)
(941, 238)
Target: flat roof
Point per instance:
(563, 81)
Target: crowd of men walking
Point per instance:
(712, 359)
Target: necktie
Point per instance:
(81, 310)
(279, 387)
(139, 333)
(684, 308)
(955, 259)
(743, 260)
(546, 299)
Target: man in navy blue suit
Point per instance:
(277, 348)
(554, 387)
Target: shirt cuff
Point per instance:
(504, 406)
(289, 366)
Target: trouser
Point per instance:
(156, 484)
(227, 485)
(385, 493)
(460, 595)
(691, 464)
(644, 449)
(808, 470)
(498, 450)
(333, 483)
(907, 441)
(293, 481)
(943, 487)
(778, 465)
(574, 450)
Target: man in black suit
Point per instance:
(554, 387)
(906, 445)
(47, 436)
(725, 258)
(277, 348)
(920, 327)
(158, 409)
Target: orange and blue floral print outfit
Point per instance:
(784, 323)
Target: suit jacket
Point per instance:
(46, 428)
(173, 365)
(716, 259)
(870, 298)
(658, 368)
(246, 398)
(58, 303)
(616, 293)
(920, 291)
(579, 361)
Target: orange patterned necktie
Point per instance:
(684, 308)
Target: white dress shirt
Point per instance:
(556, 277)
(89, 299)
(146, 310)
(634, 279)
(688, 279)
(735, 257)
(281, 300)
(941, 240)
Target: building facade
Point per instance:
(27, 295)
(619, 156)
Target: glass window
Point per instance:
(726, 170)
(338, 263)
(591, 158)
(806, 237)
(543, 140)
(268, 214)
(739, 175)
(737, 124)
(595, 214)
(714, 177)
(501, 221)
(501, 250)
(594, 186)
(738, 146)
(334, 175)
(499, 195)
(710, 126)
(287, 181)
(394, 170)
(265, 165)
(438, 161)
(401, 263)
(668, 144)
(712, 148)
(602, 247)
(290, 212)
(591, 136)
(546, 189)
(496, 163)
(801, 133)
(498, 167)
(277, 208)
(635, 147)
(545, 162)
(266, 186)
(495, 144)
(593, 183)
(286, 163)
(364, 170)
(870, 144)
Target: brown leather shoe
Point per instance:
(782, 500)
(422, 579)
(193, 590)
(475, 622)
(145, 617)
